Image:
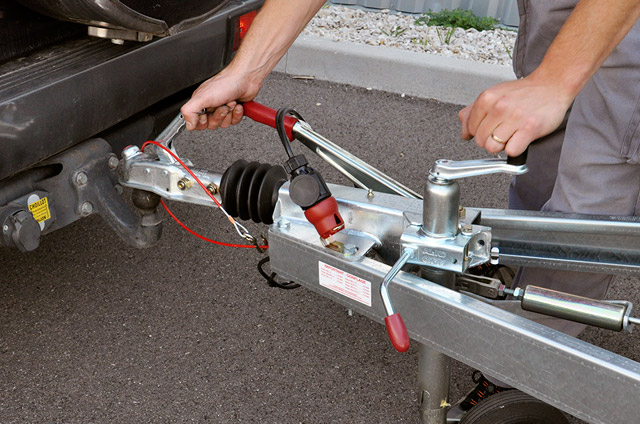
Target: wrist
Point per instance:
(564, 85)
(250, 79)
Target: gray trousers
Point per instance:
(591, 164)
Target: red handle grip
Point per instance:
(397, 332)
(265, 115)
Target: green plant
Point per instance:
(447, 36)
(457, 18)
(396, 32)
(420, 41)
(507, 49)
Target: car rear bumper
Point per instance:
(65, 94)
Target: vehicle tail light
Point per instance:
(242, 24)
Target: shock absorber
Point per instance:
(611, 315)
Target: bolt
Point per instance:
(517, 293)
(350, 312)
(87, 208)
(495, 256)
(165, 173)
(184, 183)
(462, 212)
(350, 249)
(467, 229)
(370, 194)
(213, 189)
(113, 162)
(119, 189)
(81, 178)
(5, 228)
(147, 171)
(284, 224)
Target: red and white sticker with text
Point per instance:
(344, 283)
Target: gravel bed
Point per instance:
(392, 29)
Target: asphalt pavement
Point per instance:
(92, 331)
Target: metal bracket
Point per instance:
(470, 247)
(166, 178)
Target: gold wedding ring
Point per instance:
(498, 139)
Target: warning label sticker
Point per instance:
(344, 283)
(40, 209)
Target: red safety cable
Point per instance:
(245, 246)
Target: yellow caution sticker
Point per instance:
(40, 209)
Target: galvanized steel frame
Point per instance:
(551, 366)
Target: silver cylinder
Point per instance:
(434, 371)
(593, 312)
(440, 207)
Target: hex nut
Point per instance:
(86, 208)
(113, 162)
(349, 249)
(81, 178)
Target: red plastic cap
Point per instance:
(397, 332)
(325, 217)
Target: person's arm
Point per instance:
(519, 112)
(272, 32)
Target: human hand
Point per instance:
(220, 96)
(510, 115)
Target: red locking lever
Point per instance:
(395, 325)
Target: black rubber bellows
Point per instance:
(249, 190)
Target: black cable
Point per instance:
(282, 132)
(271, 278)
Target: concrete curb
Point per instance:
(388, 69)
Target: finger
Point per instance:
(202, 119)
(226, 121)
(518, 143)
(202, 122)
(190, 112)
(484, 131)
(215, 118)
(499, 138)
(477, 114)
(237, 114)
(463, 116)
